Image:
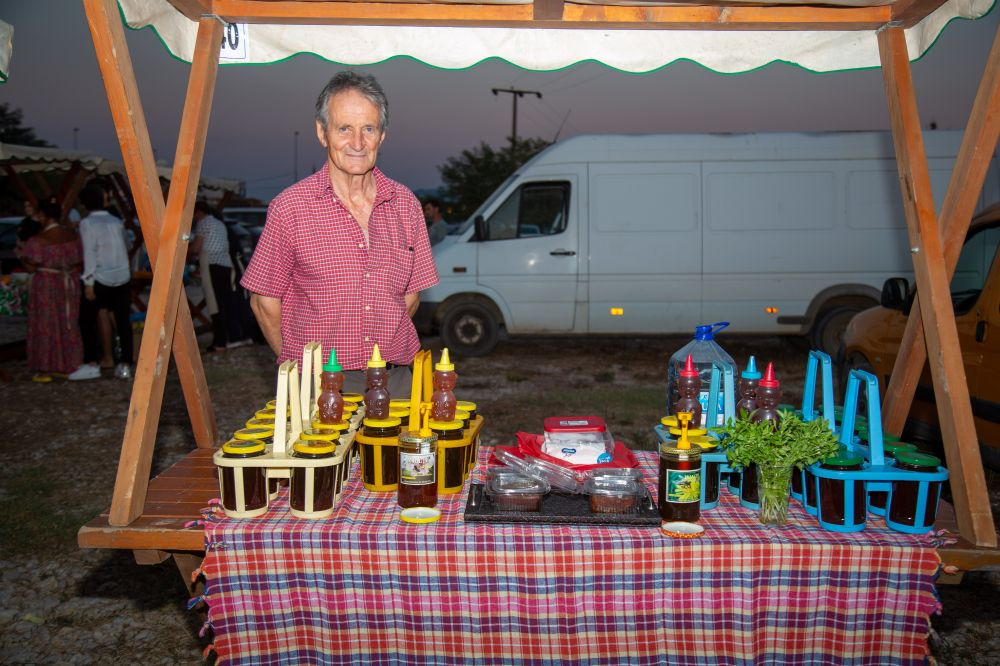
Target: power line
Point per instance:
(514, 94)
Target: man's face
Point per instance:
(353, 136)
(431, 212)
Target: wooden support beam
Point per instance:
(19, 183)
(967, 178)
(43, 183)
(69, 196)
(137, 152)
(154, 352)
(965, 466)
(67, 183)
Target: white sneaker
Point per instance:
(123, 371)
(85, 371)
(239, 343)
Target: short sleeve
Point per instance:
(424, 275)
(270, 270)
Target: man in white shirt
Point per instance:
(107, 282)
(211, 247)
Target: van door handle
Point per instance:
(562, 253)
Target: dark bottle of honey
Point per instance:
(688, 389)
(330, 404)
(768, 397)
(443, 399)
(749, 379)
(418, 481)
(377, 395)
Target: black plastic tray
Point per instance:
(558, 507)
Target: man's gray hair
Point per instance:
(362, 83)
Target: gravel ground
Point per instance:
(63, 605)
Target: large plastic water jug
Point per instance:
(704, 350)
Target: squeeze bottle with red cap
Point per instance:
(688, 389)
(330, 404)
(749, 379)
(768, 397)
(444, 379)
(377, 394)
(704, 350)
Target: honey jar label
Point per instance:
(416, 469)
(683, 487)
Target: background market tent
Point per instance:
(635, 36)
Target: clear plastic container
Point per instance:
(704, 350)
(579, 440)
(613, 494)
(614, 472)
(510, 491)
(555, 475)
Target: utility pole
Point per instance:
(514, 94)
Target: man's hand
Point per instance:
(267, 310)
(88, 292)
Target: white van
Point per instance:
(775, 233)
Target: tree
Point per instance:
(472, 176)
(12, 131)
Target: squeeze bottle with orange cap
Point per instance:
(768, 397)
(330, 404)
(688, 387)
(443, 399)
(377, 394)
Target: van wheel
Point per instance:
(829, 328)
(470, 329)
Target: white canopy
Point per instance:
(727, 51)
(6, 48)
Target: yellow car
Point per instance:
(871, 341)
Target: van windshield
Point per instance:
(487, 204)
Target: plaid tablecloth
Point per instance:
(363, 587)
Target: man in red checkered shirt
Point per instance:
(344, 254)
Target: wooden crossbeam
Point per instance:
(961, 447)
(967, 178)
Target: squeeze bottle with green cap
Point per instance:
(443, 399)
(330, 404)
(688, 389)
(749, 379)
(703, 350)
(768, 397)
(377, 394)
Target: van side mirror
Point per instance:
(482, 232)
(895, 292)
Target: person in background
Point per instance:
(211, 247)
(31, 224)
(344, 253)
(53, 256)
(107, 284)
(437, 227)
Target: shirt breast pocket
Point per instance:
(395, 268)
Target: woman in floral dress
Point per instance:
(54, 257)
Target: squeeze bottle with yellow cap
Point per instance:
(680, 476)
(418, 484)
(443, 398)
(330, 404)
(377, 395)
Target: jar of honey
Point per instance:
(243, 489)
(312, 488)
(452, 455)
(904, 500)
(680, 483)
(378, 442)
(418, 483)
(833, 493)
(878, 499)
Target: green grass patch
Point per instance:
(32, 519)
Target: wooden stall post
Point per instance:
(165, 299)
(961, 446)
(978, 143)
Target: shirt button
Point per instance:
(367, 275)
(367, 338)
(361, 245)
(368, 307)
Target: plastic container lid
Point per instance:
(918, 459)
(613, 486)
(314, 448)
(376, 360)
(445, 364)
(390, 422)
(466, 405)
(845, 459)
(352, 397)
(331, 364)
(260, 423)
(619, 472)
(681, 530)
(461, 415)
(692, 432)
(399, 403)
(249, 434)
(555, 475)
(751, 371)
(339, 427)
(243, 447)
(670, 421)
(317, 435)
(704, 441)
(708, 331)
(443, 425)
(574, 424)
(517, 484)
(419, 515)
(350, 407)
(895, 447)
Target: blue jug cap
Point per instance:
(708, 331)
(751, 371)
